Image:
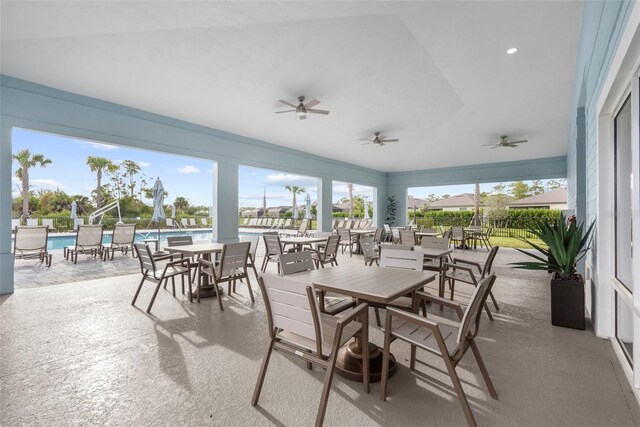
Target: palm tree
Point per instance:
(26, 160)
(100, 166)
(294, 190)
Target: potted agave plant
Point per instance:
(567, 243)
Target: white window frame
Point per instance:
(623, 78)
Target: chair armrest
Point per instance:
(163, 257)
(179, 261)
(464, 261)
(448, 265)
(349, 315)
(205, 263)
(411, 317)
(440, 301)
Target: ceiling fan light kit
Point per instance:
(302, 109)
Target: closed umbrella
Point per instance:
(366, 209)
(295, 212)
(158, 209)
(307, 208)
(74, 208)
(173, 211)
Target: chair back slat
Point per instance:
(400, 258)
(457, 231)
(331, 249)
(123, 234)
(345, 234)
(378, 236)
(489, 262)
(233, 259)
(31, 238)
(368, 248)
(145, 258)
(89, 235)
(179, 240)
(434, 243)
(288, 306)
(272, 243)
(471, 318)
(296, 262)
(407, 237)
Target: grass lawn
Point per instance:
(512, 242)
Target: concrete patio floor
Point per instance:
(79, 353)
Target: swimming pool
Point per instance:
(59, 242)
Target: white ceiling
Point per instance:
(434, 74)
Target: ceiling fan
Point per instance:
(302, 109)
(379, 140)
(504, 142)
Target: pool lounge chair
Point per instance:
(48, 222)
(31, 242)
(122, 239)
(204, 222)
(77, 222)
(15, 223)
(88, 241)
(192, 223)
(32, 222)
(184, 222)
(170, 223)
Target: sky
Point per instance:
(452, 190)
(68, 171)
(181, 176)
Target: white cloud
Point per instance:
(48, 183)
(96, 145)
(285, 178)
(188, 169)
(144, 164)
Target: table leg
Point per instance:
(349, 360)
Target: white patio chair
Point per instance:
(48, 222)
(192, 223)
(32, 222)
(15, 223)
(231, 268)
(184, 222)
(160, 274)
(441, 339)
(170, 223)
(122, 239)
(88, 241)
(204, 222)
(254, 241)
(310, 335)
(31, 242)
(287, 223)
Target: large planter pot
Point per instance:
(567, 303)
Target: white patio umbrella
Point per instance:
(158, 209)
(173, 211)
(74, 208)
(307, 208)
(295, 212)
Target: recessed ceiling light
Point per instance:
(512, 50)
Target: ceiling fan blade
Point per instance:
(495, 146)
(285, 111)
(389, 140)
(510, 146)
(325, 112)
(518, 142)
(303, 117)
(490, 145)
(366, 139)
(287, 103)
(367, 143)
(312, 103)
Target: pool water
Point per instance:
(59, 242)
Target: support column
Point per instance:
(325, 206)
(225, 201)
(6, 257)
